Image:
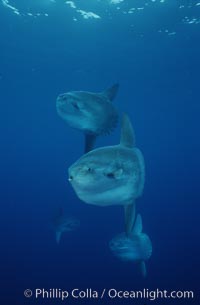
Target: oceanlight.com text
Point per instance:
(112, 293)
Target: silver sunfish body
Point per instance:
(92, 113)
(112, 175)
(136, 248)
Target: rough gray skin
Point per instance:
(92, 113)
(112, 175)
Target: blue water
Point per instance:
(158, 75)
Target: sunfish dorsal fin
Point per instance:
(137, 229)
(111, 92)
(127, 133)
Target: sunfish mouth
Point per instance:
(70, 178)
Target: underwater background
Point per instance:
(48, 47)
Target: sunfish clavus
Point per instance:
(112, 175)
(92, 113)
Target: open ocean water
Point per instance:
(152, 49)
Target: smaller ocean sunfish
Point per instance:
(63, 223)
(92, 113)
(137, 247)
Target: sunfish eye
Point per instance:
(110, 175)
(87, 169)
(75, 105)
(117, 174)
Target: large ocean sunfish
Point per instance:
(92, 113)
(135, 248)
(111, 175)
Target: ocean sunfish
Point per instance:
(63, 223)
(92, 113)
(111, 175)
(136, 248)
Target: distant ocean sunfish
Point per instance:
(136, 248)
(63, 223)
(92, 113)
(112, 175)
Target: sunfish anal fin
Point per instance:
(89, 142)
(111, 92)
(143, 269)
(129, 217)
(137, 229)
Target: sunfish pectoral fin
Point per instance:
(143, 269)
(111, 92)
(89, 142)
(58, 236)
(129, 217)
(127, 133)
